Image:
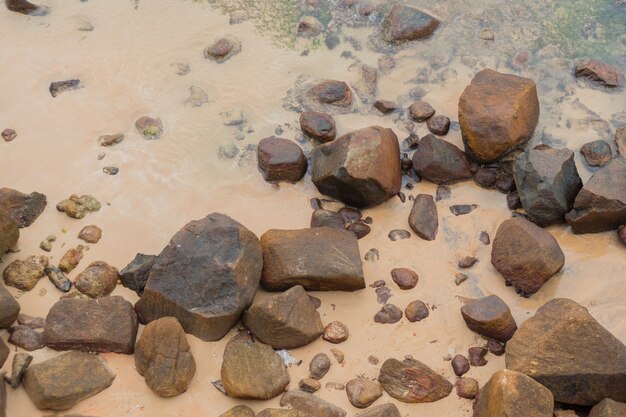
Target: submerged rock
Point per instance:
(77, 207)
(405, 278)
(57, 87)
(411, 381)
(332, 92)
(24, 209)
(405, 23)
(441, 162)
(423, 218)
(98, 280)
(135, 275)
(600, 72)
(9, 308)
(281, 160)
(223, 49)
(597, 153)
(24, 275)
(319, 126)
(309, 27)
(490, 317)
(310, 405)
(149, 127)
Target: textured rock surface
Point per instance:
(25, 274)
(239, 411)
(208, 295)
(26, 338)
(439, 161)
(99, 279)
(600, 72)
(423, 219)
(310, 404)
(135, 275)
(405, 23)
(90, 234)
(383, 410)
(490, 317)
(362, 392)
(608, 408)
(596, 153)
(9, 232)
(281, 160)
(22, 208)
(405, 278)
(413, 382)
(319, 126)
(319, 366)
(71, 258)
(9, 308)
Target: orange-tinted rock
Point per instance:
(310, 405)
(90, 234)
(608, 408)
(281, 160)
(9, 232)
(99, 279)
(319, 126)
(411, 381)
(405, 278)
(71, 258)
(490, 317)
(600, 72)
(405, 23)
(9, 308)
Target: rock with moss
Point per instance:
(77, 207)
(25, 274)
(148, 127)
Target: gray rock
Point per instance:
(135, 275)
(423, 218)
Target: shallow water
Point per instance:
(128, 65)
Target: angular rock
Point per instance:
(490, 317)
(24, 209)
(239, 411)
(564, 348)
(9, 233)
(420, 111)
(24, 275)
(309, 385)
(335, 93)
(98, 280)
(361, 168)
(439, 125)
(223, 49)
(620, 141)
(9, 308)
(326, 218)
(21, 362)
(281, 160)
(362, 392)
(107, 324)
(460, 365)
(310, 404)
(601, 204)
(526, 255)
(135, 275)
(26, 338)
(90, 234)
(71, 258)
(477, 355)
(58, 278)
(319, 366)
(385, 106)
(416, 311)
(600, 72)
(319, 259)
(608, 408)
(319, 126)
(63, 381)
(383, 410)
(439, 161)
(77, 207)
(411, 381)
(497, 113)
(336, 332)
(405, 23)
(405, 278)
(423, 218)
(208, 295)
(389, 314)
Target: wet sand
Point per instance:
(126, 67)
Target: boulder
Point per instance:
(24, 275)
(63, 381)
(319, 126)
(208, 295)
(405, 23)
(510, 393)
(310, 405)
(564, 348)
(547, 183)
(600, 72)
(22, 208)
(423, 218)
(99, 279)
(439, 161)
(164, 358)
(252, 370)
(608, 408)
(107, 324)
(135, 275)
(9, 233)
(383, 410)
(281, 160)
(331, 92)
(362, 392)
(526, 255)
(361, 168)
(9, 308)
(490, 317)
(284, 321)
(601, 204)
(318, 259)
(497, 113)
(411, 381)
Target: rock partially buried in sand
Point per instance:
(135, 275)
(319, 126)
(526, 255)
(411, 381)
(58, 87)
(63, 381)
(26, 7)
(24, 209)
(223, 49)
(309, 26)
(332, 92)
(149, 127)
(98, 280)
(383, 410)
(77, 207)
(24, 275)
(110, 140)
(423, 218)
(441, 162)
(608, 408)
(164, 358)
(208, 295)
(404, 23)
(361, 168)
(310, 405)
(490, 317)
(510, 393)
(319, 259)
(9, 308)
(281, 160)
(497, 113)
(564, 348)
(58, 278)
(600, 72)
(252, 370)
(601, 204)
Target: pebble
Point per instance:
(389, 314)
(362, 392)
(405, 278)
(110, 140)
(487, 35)
(460, 365)
(421, 111)
(373, 360)
(309, 385)
(461, 209)
(466, 388)
(8, 135)
(319, 366)
(513, 201)
(335, 385)
(336, 332)
(495, 347)
(385, 106)
(399, 234)
(339, 355)
(149, 127)
(459, 278)
(110, 170)
(57, 87)
(467, 262)
(383, 293)
(372, 255)
(90, 234)
(439, 125)
(416, 311)
(477, 356)
(484, 238)
(443, 193)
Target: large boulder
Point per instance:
(22, 208)
(497, 112)
(206, 277)
(564, 348)
(405, 23)
(284, 321)
(526, 255)
(63, 381)
(423, 218)
(319, 259)
(547, 183)
(9, 308)
(9, 232)
(411, 381)
(608, 408)
(439, 161)
(361, 168)
(490, 317)
(310, 405)
(510, 393)
(107, 324)
(601, 204)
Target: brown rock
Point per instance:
(467, 262)
(107, 324)
(423, 219)
(411, 381)
(440, 162)
(405, 278)
(486, 177)
(240, 411)
(336, 332)
(8, 135)
(608, 408)
(497, 113)
(24, 209)
(71, 258)
(99, 279)
(621, 233)
(490, 317)
(335, 93)
(420, 111)
(327, 218)
(416, 311)
(359, 229)
(362, 392)
(389, 314)
(383, 410)
(620, 141)
(339, 355)
(90, 234)
(319, 366)
(600, 72)
(597, 153)
(466, 388)
(477, 356)
(4, 353)
(9, 308)
(460, 365)
(281, 412)
(135, 275)
(319, 126)
(310, 404)
(223, 48)
(281, 160)
(439, 125)
(26, 7)
(110, 140)
(21, 362)
(405, 23)
(149, 127)
(385, 106)
(526, 255)
(9, 233)
(309, 385)
(24, 275)
(26, 338)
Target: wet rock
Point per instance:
(423, 218)
(620, 141)
(405, 23)
(405, 278)
(281, 160)
(8, 135)
(252, 370)
(77, 207)
(26, 7)
(240, 411)
(477, 356)
(608, 408)
(461, 209)
(601, 204)
(389, 314)
(24, 275)
(9, 308)
(421, 111)
(510, 393)
(440, 162)
(326, 218)
(564, 348)
(526, 255)
(362, 392)
(110, 140)
(332, 92)
(366, 81)
(597, 153)
(71, 258)
(24, 209)
(63, 381)
(497, 113)
(319, 259)
(90, 234)
(547, 182)
(416, 311)
(309, 27)
(163, 357)
(57, 87)
(310, 404)
(398, 234)
(490, 317)
(336, 332)
(223, 48)
(284, 321)
(319, 366)
(9, 233)
(26, 338)
(460, 365)
(486, 177)
(385, 106)
(466, 388)
(209, 295)
(32, 322)
(98, 280)
(21, 362)
(58, 278)
(383, 410)
(149, 127)
(361, 168)
(600, 72)
(107, 324)
(319, 126)
(411, 381)
(135, 275)
(439, 125)
(309, 385)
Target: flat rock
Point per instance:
(309, 385)
(439, 161)
(319, 126)
(8, 135)
(383, 410)
(405, 23)
(24, 209)
(608, 408)
(9, 308)
(361, 168)
(110, 140)
(58, 87)
(423, 219)
(26, 338)
(310, 404)
(58, 278)
(331, 92)
(25, 274)
(564, 348)
(601, 204)
(600, 72)
(411, 381)
(362, 392)
(319, 259)
(497, 113)
(526, 255)
(223, 49)
(385, 106)
(63, 381)
(490, 317)
(208, 295)
(9, 232)
(281, 160)
(99, 279)
(239, 411)
(135, 275)
(107, 324)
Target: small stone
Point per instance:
(484, 238)
(486, 35)
(443, 193)
(45, 245)
(339, 355)
(373, 360)
(460, 365)
(597, 153)
(110, 140)
(620, 141)
(24, 275)
(513, 202)
(350, 215)
(8, 135)
(319, 366)
(21, 361)
(389, 314)
(421, 111)
(309, 385)
(58, 278)
(441, 162)
(490, 317)
(319, 126)
(412, 381)
(331, 92)
(383, 294)
(222, 49)
(110, 170)
(423, 219)
(336, 332)
(57, 87)
(71, 258)
(26, 338)
(398, 234)
(281, 160)
(326, 218)
(359, 229)
(405, 23)
(405, 278)
(477, 356)
(459, 278)
(466, 388)
(362, 392)
(600, 72)
(244, 411)
(77, 207)
(90, 234)
(461, 209)
(135, 275)
(372, 255)
(149, 127)
(416, 311)
(385, 106)
(467, 262)
(439, 125)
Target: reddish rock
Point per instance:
(423, 218)
(405, 23)
(26, 7)
(411, 381)
(281, 160)
(439, 125)
(440, 162)
(8, 135)
(385, 106)
(336, 332)
(405, 278)
(420, 111)
(460, 365)
(389, 314)
(223, 48)
(24, 209)
(99, 279)
(383, 410)
(319, 126)
(309, 385)
(600, 72)
(486, 177)
(490, 317)
(336, 93)
(477, 356)
(90, 234)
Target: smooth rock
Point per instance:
(319, 126)
(411, 381)
(608, 408)
(486, 177)
(439, 161)
(362, 392)
(25, 274)
(398, 234)
(149, 127)
(460, 365)
(9, 308)
(98, 280)
(319, 366)
(336, 332)
(439, 125)
(405, 23)
(331, 92)
(110, 140)
(383, 410)
(600, 72)
(466, 388)
(490, 317)
(8, 135)
(423, 219)
(405, 278)
(310, 404)
(58, 278)
(385, 106)
(24, 209)
(416, 311)
(389, 314)
(477, 355)
(420, 111)
(281, 160)
(309, 385)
